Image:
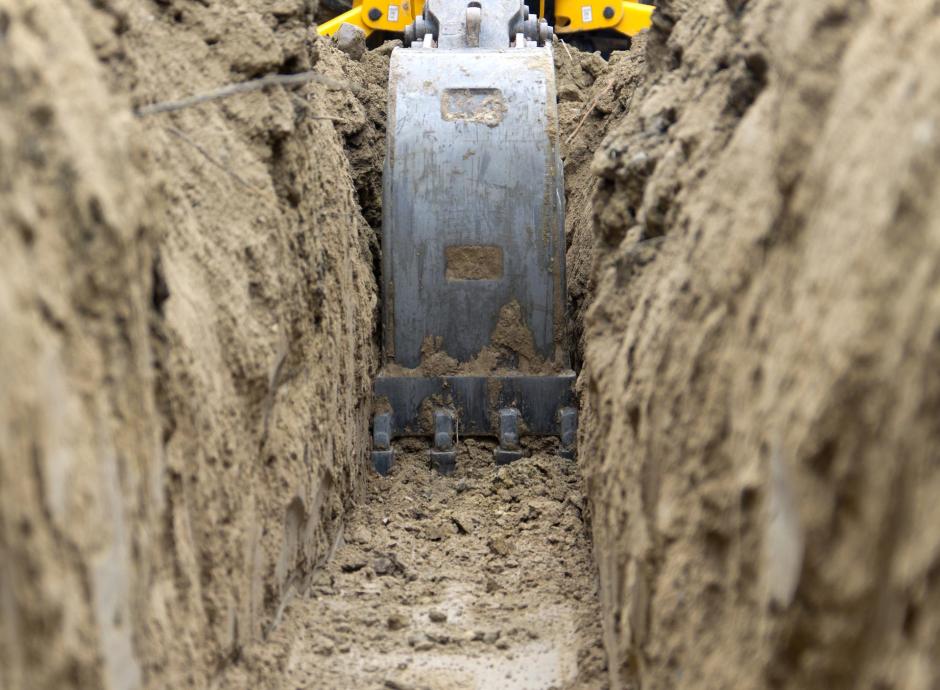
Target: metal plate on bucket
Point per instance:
(473, 201)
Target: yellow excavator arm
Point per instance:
(376, 15)
(623, 16)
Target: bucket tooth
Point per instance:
(383, 457)
(509, 449)
(443, 455)
(568, 420)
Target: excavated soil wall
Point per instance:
(761, 394)
(188, 304)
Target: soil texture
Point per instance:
(593, 95)
(188, 305)
(478, 580)
(760, 395)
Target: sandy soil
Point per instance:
(188, 305)
(761, 394)
(479, 580)
(593, 94)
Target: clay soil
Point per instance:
(479, 580)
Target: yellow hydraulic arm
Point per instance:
(623, 16)
(376, 15)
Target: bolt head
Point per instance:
(375, 14)
(608, 13)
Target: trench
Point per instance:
(482, 579)
(188, 301)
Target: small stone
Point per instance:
(359, 535)
(492, 586)
(502, 644)
(569, 93)
(396, 621)
(490, 636)
(463, 523)
(461, 486)
(382, 566)
(499, 546)
(351, 40)
(437, 616)
(439, 532)
(389, 682)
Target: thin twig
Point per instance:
(237, 88)
(570, 61)
(212, 159)
(590, 109)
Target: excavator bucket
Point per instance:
(473, 249)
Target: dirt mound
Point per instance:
(479, 580)
(188, 302)
(762, 351)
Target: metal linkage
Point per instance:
(382, 454)
(478, 27)
(443, 455)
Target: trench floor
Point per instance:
(480, 580)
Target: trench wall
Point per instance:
(187, 303)
(760, 387)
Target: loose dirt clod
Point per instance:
(351, 40)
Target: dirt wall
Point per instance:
(187, 304)
(761, 391)
(593, 95)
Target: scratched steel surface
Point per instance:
(472, 160)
